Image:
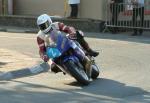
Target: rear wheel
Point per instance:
(77, 72)
(95, 71)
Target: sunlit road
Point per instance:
(124, 78)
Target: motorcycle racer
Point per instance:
(72, 33)
(48, 35)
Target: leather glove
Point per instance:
(45, 58)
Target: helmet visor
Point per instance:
(44, 25)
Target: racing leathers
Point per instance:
(45, 40)
(72, 34)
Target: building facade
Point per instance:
(87, 8)
(93, 9)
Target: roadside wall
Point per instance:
(87, 25)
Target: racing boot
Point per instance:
(87, 63)
(92, 52)
(87, 48)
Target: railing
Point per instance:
(127, 15)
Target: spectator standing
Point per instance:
(74, 8)
(138, 9)
(116, 7)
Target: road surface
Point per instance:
(124, 78)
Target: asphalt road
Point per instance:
(124, 78)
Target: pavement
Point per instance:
(13, 60)
(123, 60)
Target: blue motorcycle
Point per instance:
(62, 54)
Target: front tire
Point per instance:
(77, 72)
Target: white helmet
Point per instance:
(44, 23)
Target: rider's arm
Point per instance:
(66, 29)
(42, 49)
(41, 45)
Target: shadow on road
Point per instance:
(111, 88)
(104, 90)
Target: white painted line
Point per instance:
(14, 31)
(6, 76)
(17, 37)
(36, 69)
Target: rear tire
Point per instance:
(77, 72)
(95, 71)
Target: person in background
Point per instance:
(74, 8)
(138, 9)
(115, 7)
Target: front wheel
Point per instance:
(77, 72)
